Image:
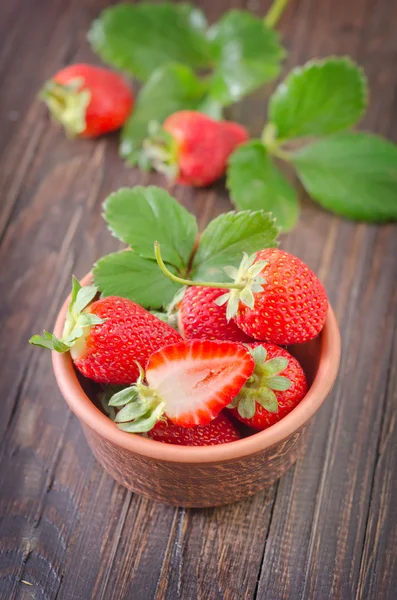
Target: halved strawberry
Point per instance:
(189, 382)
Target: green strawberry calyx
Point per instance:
(77, 323)
(262, 385)
(248, 281)
(160, 152)
(67, 104)
(140, 406)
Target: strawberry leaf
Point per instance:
(141, 215)
(278, 383)
(227, 237)
(246, 407)
(255, 183)
(246, 53)
(268, 400)
(320, 98)
(351, 174)
(139, 38)
(169, 89)
(274, 366)
(129, 275)
(132, 410)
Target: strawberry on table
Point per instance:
(276, 386)
(220, 431)
(200, 317)
(192, 148)
(189, 382)
(88, 101)
(108, 337)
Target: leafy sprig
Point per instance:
(351, 174)
(185, 63)
(140, 216)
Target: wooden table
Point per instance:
(328, 529)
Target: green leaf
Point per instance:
(50, 341)
(139, 38)
(83, 297)
(129, 275)
(351, 174)
(278, 383)
(123, 397)
(256, 183)
(143, 423)
(268, 400)
(227, 237)
(246, 407)
(274, 366)
(132, 410)
(141, 215)
(246, 53)
(169, 89)
(322, 97)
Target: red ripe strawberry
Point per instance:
(88, 101)
(200, 317)
(279, 300)
(220, 431)
(276, 386)
(192, 148)
(293, 305)
(275, 297)
(107, 338)
(189, 382)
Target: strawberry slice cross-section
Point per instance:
(189, 382)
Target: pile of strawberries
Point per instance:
(224, 366)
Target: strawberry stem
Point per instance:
(167, 272)
(274, 13)
(272, 144)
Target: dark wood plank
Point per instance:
(378, 569)
(326, 529)
(320, 514)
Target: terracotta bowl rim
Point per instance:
(93, 418)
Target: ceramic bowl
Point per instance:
(203, 476)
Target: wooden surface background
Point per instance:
(328, 529)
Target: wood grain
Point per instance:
(328, 528)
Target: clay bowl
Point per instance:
(203, 476)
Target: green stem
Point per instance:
(275, 12)
(280, 153)
(181, 281)
(272, 144)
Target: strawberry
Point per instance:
(189, 382)
(276, 386)
(200, 317)
(192, 148)
(88, 101)
(220, 431)
(292, 306)
(275, 297)
(107, 338)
